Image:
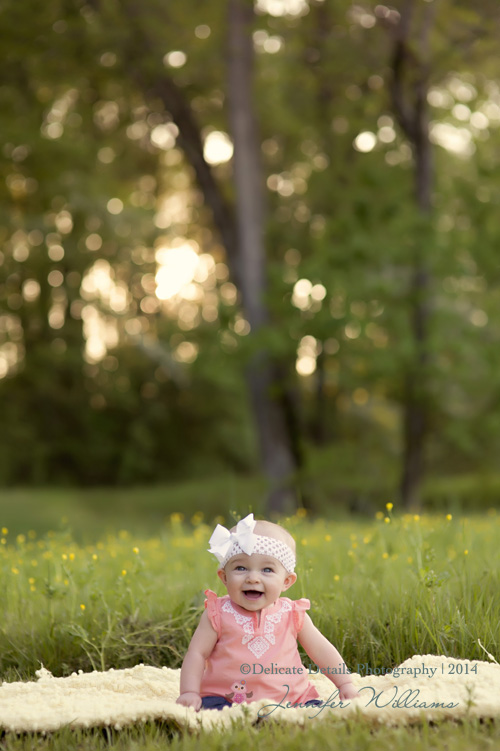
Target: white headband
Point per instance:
(225, 544)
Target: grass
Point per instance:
(471, 736)
(92, 513)
(332, 485)
(381, 590)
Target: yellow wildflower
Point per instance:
(135, 550)
(389, 506)
(449, 517)
(5, 531)
(82, 607)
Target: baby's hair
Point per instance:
(269, 529)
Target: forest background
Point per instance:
(251, 241)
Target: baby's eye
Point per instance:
(268, 570)
(239, 568)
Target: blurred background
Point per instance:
(249, 258)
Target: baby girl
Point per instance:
(245, 646)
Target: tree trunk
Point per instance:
(266, 390)
(413, 119)
(242, 236)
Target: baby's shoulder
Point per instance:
(213, 600)
(296, 605)
(301, 601)
(297, 611)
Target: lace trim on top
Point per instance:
(258, 645)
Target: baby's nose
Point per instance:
(252, 576)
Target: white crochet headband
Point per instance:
(225, 544)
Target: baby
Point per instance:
(245, 646)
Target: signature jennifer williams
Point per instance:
(409, 699)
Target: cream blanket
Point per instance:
(425, 685)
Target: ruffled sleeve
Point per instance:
(299, 609)
(213, 610)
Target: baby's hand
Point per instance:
(190, 699)
(347, 691)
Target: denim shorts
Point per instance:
(214, 702)
(218, 702)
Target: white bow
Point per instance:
(222, 539)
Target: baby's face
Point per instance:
(255, 581)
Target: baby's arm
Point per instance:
(324, 655)
(200, 649)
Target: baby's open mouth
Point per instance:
(252, 594)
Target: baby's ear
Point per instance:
(222, 576)
(289, 580)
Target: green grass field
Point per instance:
(381, 590)
(333, 485)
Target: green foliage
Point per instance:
(79, 93)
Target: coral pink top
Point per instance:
(253, 660)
